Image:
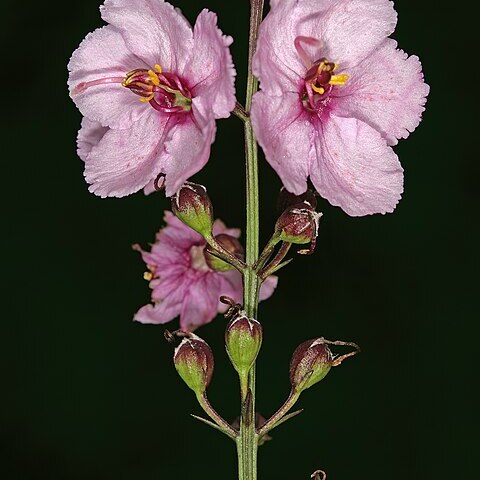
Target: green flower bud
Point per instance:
(310, 363)
(243, 339)
(298, 224)
(229, 243)
(194, 362)
(192, 205)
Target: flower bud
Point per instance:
(243, 339)
(310, 363)
(287, 199)
(229, 243)
(298, 224)
(194, 362)
(192, 205)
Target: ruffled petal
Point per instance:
(126, 160)
(286, 135)
(153, 30)
(387, 91)
(211, 71)
(186, 152)
(276, 62)
(167, 308)
(349, 30)
(89, 136)
(355, 168)
(103, 54)
(200, 302)
(268, 287)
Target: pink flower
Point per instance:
(150, 89)
(335, 94)
(181, 281)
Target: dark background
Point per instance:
(87, 393)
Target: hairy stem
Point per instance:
(247, 442)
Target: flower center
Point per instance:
(319, 83)
(164, 91)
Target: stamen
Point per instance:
(319, 90)
(154, 78)
(339, 79)
(146, 99)
(158, 68)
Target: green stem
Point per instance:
(275, 419)
(247, 442)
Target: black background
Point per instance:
(87, 393)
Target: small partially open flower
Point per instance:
(194, 362)
(182, 282)
(310, 363)
(191, 204)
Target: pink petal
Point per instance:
(103, 54)
(178, 235)
(268, 287)
(166, 309)
(126, 160)
(276, 62)
(186, 152)
(200, 302)
(348, 29)
(153, 30)
(286, 135)
(387, 91)
(211, 69)
(89, 136)
(355, 168)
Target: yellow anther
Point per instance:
(153, 77)
(335, 66)
(320, 68)
(319, 90)
(146, 99)
(148, 276)
(339, 79)
(158, 68)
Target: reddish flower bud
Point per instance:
(194, 362)
(192, 205)
(243, 339)
(298, 224)
(229, 243)
(287, 199)
(310, 363)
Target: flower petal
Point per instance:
(349, 30)
(211, 68)
(126, 160)
(387, 91)
(200, 302)
(186, 152)
(276, 62)
(268, 287)
(167, 308)
(89, 136)
(355, 168)
(103, 54)
(286, 135)
(153, 29)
